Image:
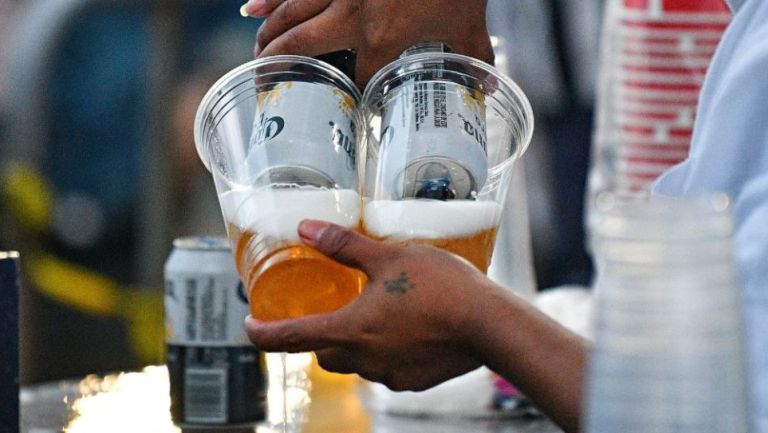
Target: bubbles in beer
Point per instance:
(276, 213)
(430, 219)
(463, 227)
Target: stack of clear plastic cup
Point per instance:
(668, 354)
(654, 58)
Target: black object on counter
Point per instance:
(343, 60)
(194, 372)
(9, 342)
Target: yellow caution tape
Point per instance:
(28, 196)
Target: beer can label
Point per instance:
(434, 131)
(304, 133)
(216, 385)
(205, 309)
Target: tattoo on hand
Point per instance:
(400, 285)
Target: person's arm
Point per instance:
(544, 360)
(378, 30)
(427, 316)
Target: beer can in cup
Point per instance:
(438, 129)
(217, 376)
(443, 134)
(433, 134)
(278, 135)
(278, 151)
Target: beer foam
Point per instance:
(430, 219)
(277, 212)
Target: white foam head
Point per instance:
(430, 219)
(276, 213)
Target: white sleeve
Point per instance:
(729, 153)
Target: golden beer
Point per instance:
(476, 248)
(285, 278)
(462, 227)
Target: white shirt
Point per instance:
(729, 153)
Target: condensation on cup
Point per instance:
(444, 132)
(279, 136)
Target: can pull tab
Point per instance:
(438, 178)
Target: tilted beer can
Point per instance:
(217, 376)
(290, 144)
(433, 138)
(9, 342)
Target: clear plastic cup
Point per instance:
(444, 133)
(279, 138)
(669, 353)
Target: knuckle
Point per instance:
(337, 239)
(266, 33)
(261, 38)
(355, 7)
(367, 331)
(289, 338)
(378, 36)
(290, 12)
(293, 42)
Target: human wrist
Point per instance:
(543, 359)
(489, 314)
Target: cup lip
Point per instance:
(507, 82)
(211, 96)
(706, 205)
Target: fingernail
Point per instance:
(311, 231)
(253, 8)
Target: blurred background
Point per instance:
(98, 171)
(98, 167)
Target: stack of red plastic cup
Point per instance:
(654, 61)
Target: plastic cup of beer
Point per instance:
(279, 137)
(443, 134)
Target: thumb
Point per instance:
(304, 334)
(344, 245)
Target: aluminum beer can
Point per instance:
(293, 145)
(433, 140)
(217, 376)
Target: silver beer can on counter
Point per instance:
(294, 141)
(434, 129)
(217, 376)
